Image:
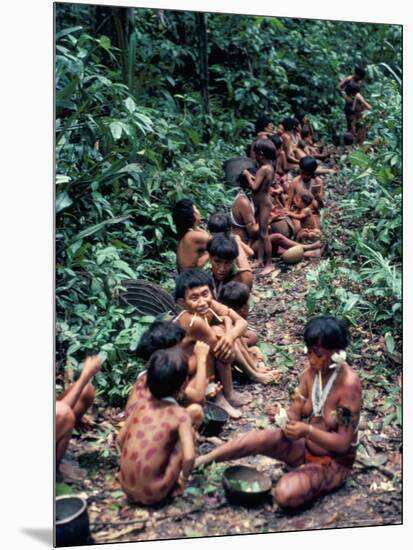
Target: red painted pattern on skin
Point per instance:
(140, 434)
(150, 453)
(124, 452)
(165, 425)
(144, 443)
(147, 491)
(132, 479)
(182, 418)
(134, 455)
(147, 420)
(135, 420)
(146, 470)
(158, 436)
(128, 436)
(138, 467)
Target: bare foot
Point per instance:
(263, 378)
(267, 270)
(312, 246)
(223, 403)
(237, 399)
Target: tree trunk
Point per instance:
(203, 72)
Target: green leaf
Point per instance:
(117, 494)
(70, 30)
(95, 228)
(62, 201)
(104, 42)
(194, 491)
(63, 489)
(130, 105)
(358, 158)
(116, 130)
(388, 338)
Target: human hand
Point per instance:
(215, 388)
(223, 347)
(180, 485)
(201, 350)
(296, 429)
(91, 366)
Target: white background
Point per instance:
(27, 271)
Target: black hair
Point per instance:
(296, 122)
(307, 198)
(234, 294)
(348, 138)
(288, 123)
(160, 335)
(223, 246)
(352, 88)
(167, 371)
(220, 222)
(308, 165)
(184, 216)
(300, 115)
(301, 143)
(277, 141)
(266, 148)
(360, 72)
(261, 122)
(326, 331)
(191, 278)
(305, 131)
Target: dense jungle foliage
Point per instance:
(149, 104)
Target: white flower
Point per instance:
(339, 357)
(281, 418)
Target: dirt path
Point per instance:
(372, 496)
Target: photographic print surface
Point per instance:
(264, 153)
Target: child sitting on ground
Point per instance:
(157, 440)
(261, 189)
(228, 261)
(207, 320)
(192, 240)
(308, 182)
(219, 222)
(303, 218)
(236, 296)
(165, 335)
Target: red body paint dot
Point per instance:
(134, 455)
(150, 453)
(141, 408)
(147, 491)
(182, 418)
(146, 470)
(147, 420)
(144, 443)
(140, 434)
(124, 452)
(128, 436)
(158, 436)
(138, 467)
(165, 425)
(135, 420)
(132, 479)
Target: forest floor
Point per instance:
(371, 496)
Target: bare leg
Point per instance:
(263, 219)
(246, 362)
(278, 239)
(308, 482)
(65, 422)
(225, 377)
(270, 443)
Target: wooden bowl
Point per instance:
(214, 419)
(246, 486)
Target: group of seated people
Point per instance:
(192, 358)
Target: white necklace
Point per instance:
(318, 394)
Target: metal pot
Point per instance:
(72, 521)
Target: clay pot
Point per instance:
(72, 521)
(246, 486)
(233, 169)
(293, 255)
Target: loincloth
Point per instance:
(324, 460)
